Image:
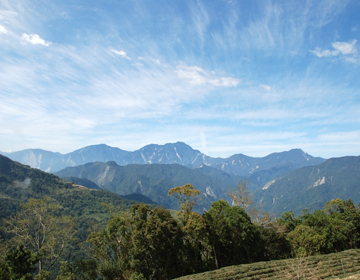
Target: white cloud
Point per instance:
(192, 74)
(344, 48)
(266, 87)
(197, 76)
(121, 53)
(324, 53)
(35, 39)
(225, 82)
(340, 48)
(3, 29)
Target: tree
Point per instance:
(289, 221)
(275, 245)
(156, 243)
(196, 254)
(18, 264)
(39, 227)
(242, 197)
(66, 272)
(193, 227)
(233, 237)
(306, 240)
(139, 243)
(110, 247)
(332, 229)
(186, 196)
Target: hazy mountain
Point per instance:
(37, 158)
(311, 187)
(274, 164)
(52, 162)
(153, 180)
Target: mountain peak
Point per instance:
(178, 152)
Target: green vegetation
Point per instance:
(334, 228)
(38, 227)
(57, 231)
(21, 187)
(19, 183)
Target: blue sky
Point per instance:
(225, 77)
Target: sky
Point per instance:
(223, 76)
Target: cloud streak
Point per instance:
(197, 76)
(35, 39)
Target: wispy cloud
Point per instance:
(35, 39)
(200, 20)
(120, 53)
(197, 76)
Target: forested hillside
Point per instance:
(19, 183)
(311, 187)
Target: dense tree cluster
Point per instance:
(334, 228)
(154, 243)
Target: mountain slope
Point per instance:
(311, 187)
(151, 180)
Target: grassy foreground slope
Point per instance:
(331, 266)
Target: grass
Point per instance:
(332, 266)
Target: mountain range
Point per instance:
(258, 169)
(308, 187)
(290, 180)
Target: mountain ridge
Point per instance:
(179, 152)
